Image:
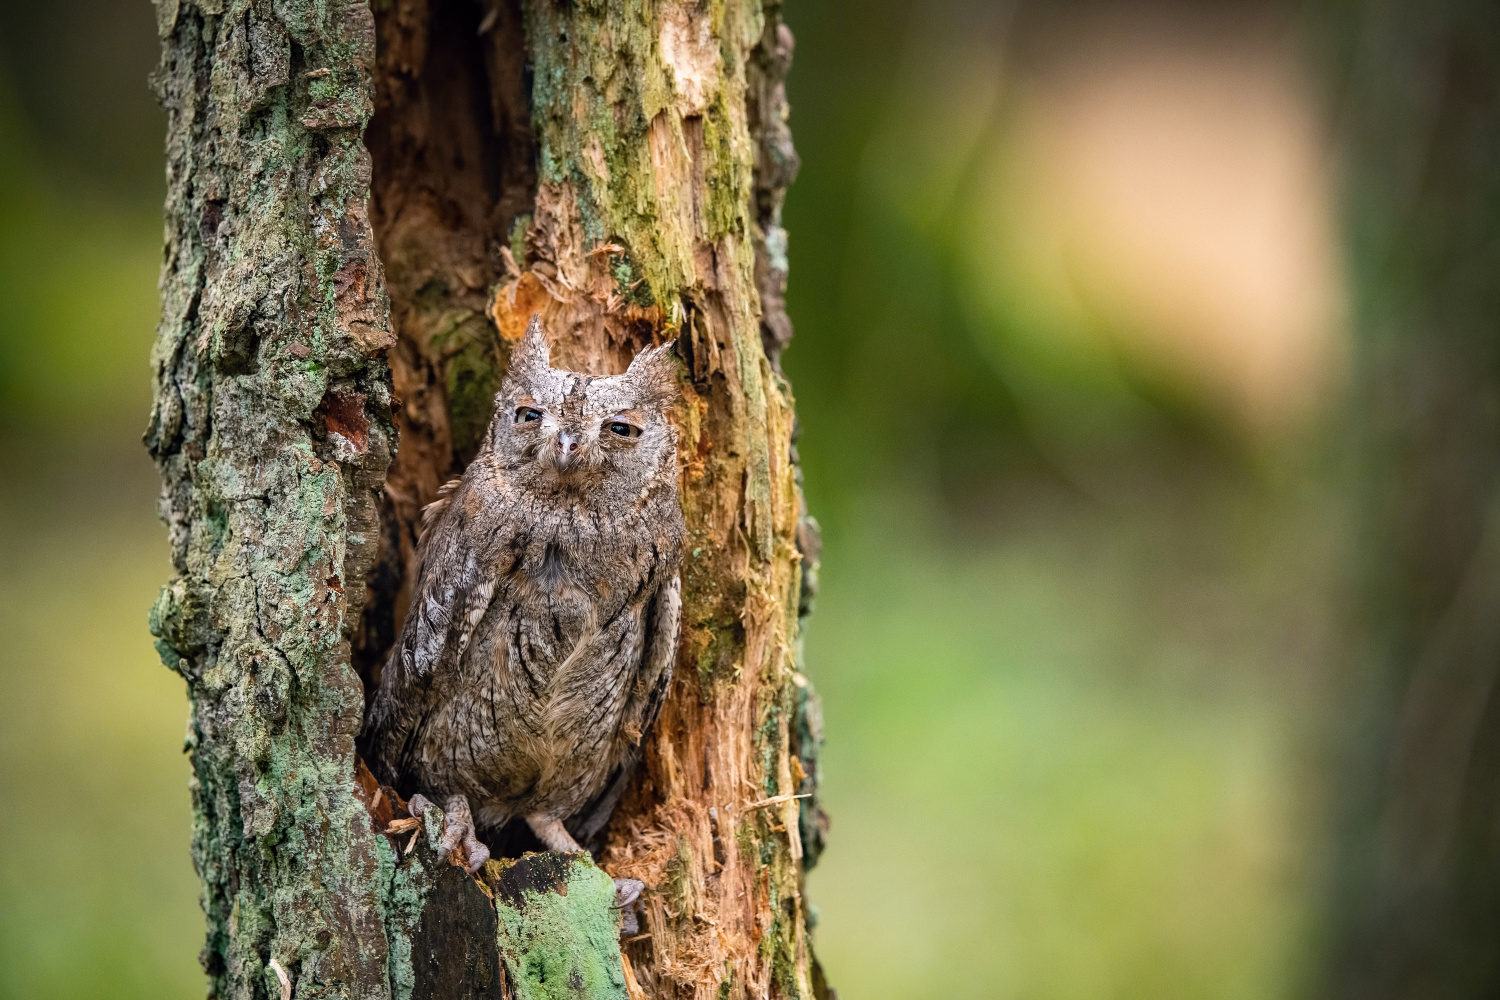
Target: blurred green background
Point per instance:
(1096, 306)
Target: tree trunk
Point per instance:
(330, 289)
(1418, 904)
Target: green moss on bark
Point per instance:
(558, 928)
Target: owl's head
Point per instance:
(569, 430)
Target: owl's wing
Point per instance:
(659, 650)
(455, 583)
(662, 620)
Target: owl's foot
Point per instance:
(458, 830)
(550, 831)
(627, 894)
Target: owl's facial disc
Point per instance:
(563, 444)
(603, 436)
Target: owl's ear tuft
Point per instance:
(653, 373)
(530, 359)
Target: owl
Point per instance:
(542, 628)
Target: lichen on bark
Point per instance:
(558, 928)
(271, 426)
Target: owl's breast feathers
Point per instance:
(537, 647)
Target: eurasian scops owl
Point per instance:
(539, 642)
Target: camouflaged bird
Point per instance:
(540, 637)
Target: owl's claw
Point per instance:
(627, 891)
(458, 830)
(627, 894)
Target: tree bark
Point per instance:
(364, 208)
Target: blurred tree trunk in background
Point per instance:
(330, 290)
(1418, 901)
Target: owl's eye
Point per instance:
(527, 414)
(620, 428)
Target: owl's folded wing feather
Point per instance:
(455, 583)
(658, 651)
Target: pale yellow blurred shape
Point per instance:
(1172, 200)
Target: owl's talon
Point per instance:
(627, 891)
(458, 830)
(627, 896)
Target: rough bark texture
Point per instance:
(272, 429)
(617, 168)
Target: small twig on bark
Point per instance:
(283, 979)
(777, 800)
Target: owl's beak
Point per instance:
(567, 450)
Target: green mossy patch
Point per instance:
(558, 929)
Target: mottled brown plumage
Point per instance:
(540, 637)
